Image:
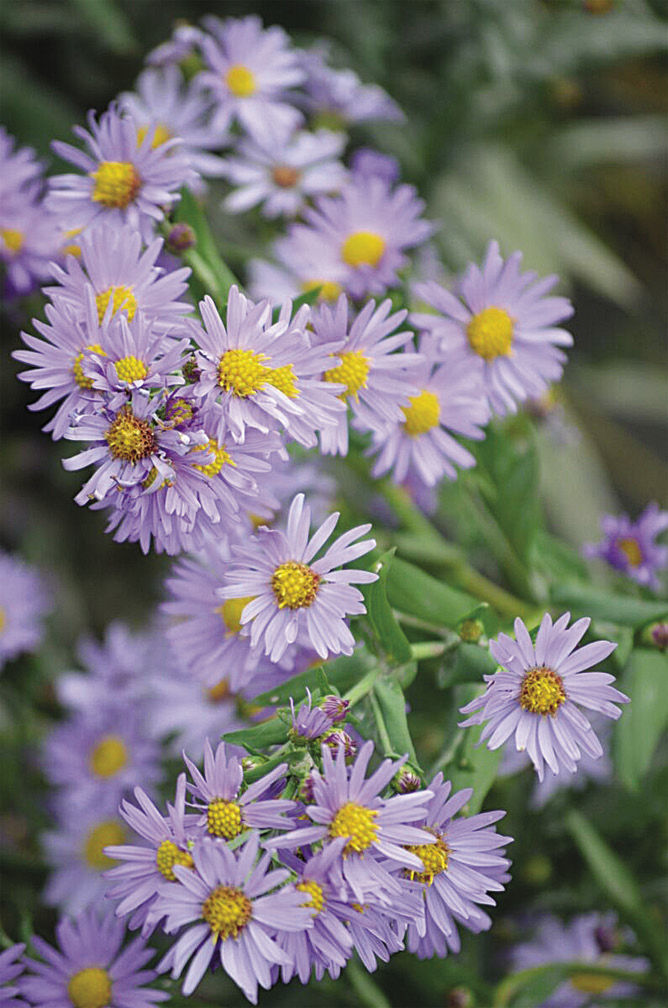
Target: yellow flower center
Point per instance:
(591, 983)
(116, 184)
(72, 248)
(295, 585)
(218, 693)
(283, 378)
(242, 372)
(221, 458)
(226, 910)
(330, 290)
(363, 248)
(240, 81)
(79, 376)
(130, 369)
(230, 612)
(160, 135)
(631, 551)
(13, 239)
(434, 857)
(3, 619)
(106, 834)
(130, 438)
(423, 413)
(285, 176)
(179, 411)
(490, 333)
(542, 691)
(90, 988)
(352, 372)
(317, 900)
(122, 298)
(109, 756)
(357, 823)
(223, 819)
(168, 855)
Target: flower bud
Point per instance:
(406, 780)
(181, 238)
(471, 630)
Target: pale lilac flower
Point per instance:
(235, 912)
(535, 693)
(24, 602)
(293, 593)
(90, 967)
(19, 169)
(631, 547)
(368, 163)
(125, 180)
(338, 97)
(304, 263)
(284, 176)
(249, 70)
(30, 238)
(185, 40)
(501, 324)
(309, 722)
(422, 443)
(11, 967)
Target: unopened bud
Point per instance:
(658, 635)
(607, 937)
(305, 792)
(471, 630)
(250, 763)
(459, 997)
(334, 740)
(181, 238)
(191, 372)
(406, 780)
(335, 707)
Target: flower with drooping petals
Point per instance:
(631, 547)
(24, 602)
(537, 691)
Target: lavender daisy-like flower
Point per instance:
(503, 326)
(236, 909)
(370, 225)
(227, 810)
(459, 869)
(24, 602)
(184, 41)
(19, 168)
(377, 381)
(126, 179)
(338, 97)
(422, 443)
(30, 238)
(537, 692)
(310, 722)
(249, 70)
(589, 938)
(293, 593)
(89, 968)
(11, 967)
(304, 263)
(631, 547)
(283, 176)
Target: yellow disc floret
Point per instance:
(240, 80)
(13, 239)
(352, 372)
(423, 413)
(330, 290)
(284, 379)
(294, 585)
(631, 551)
(219, 693)
(3, 619)
(242, 372)
(223, 819)
(230, 612)
(130, 369)
(109, 756)
(357, 823)
(363, 248)
(490, 333)
(542, 691)
(130, 438)
(80, 378)
(220, 459)
(591, 983)
(120, 297)
(160, 135)
(116, 184)
(285, 176)
(227, 910)
(434, 857)
(90, 988)
(317, 900)
(108, 833)
(168, 855)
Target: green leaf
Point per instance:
(624, 610)
(412, 591)
(643, 721)
(341, 673)
(271, 732)
(392, 641)
(392, 703)
(213, 276)
(466, 663)
(473, 766)
(558, 560)
(108, 22)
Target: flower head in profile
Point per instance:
(502, 324)
(90, 967)
(24, 602)
(295, 595)
(337, 97)
(631, 547)
(11, 967)
(536, 694)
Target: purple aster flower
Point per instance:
(631, 547)
(378, 382)
(338, 97)
(370, 225)
(226, 810)
(335, 707)
(305, 263)
(283, 176)
(292, 592)
(584, 939)
(24, 602)
(166, 107)
(30, 238)
(503, 326)
(91, 968)
(376, 933)
(537, 691)
(19, 169)
(11, 967)
(236, 912)
(309, 722)
(126, 179)
(367, 162)
(265, 373)
(249, 70)
(458, 870)
(185, 39)
(421, 444)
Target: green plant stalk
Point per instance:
(366, 989)
(511, 985)
(428, 649)
(380, 725)
(361, 688)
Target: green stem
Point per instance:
(361, 688)
(447, 753)
(388, 749)
(366, 989)
(428, 649)
(420, 624)
(508, 987)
